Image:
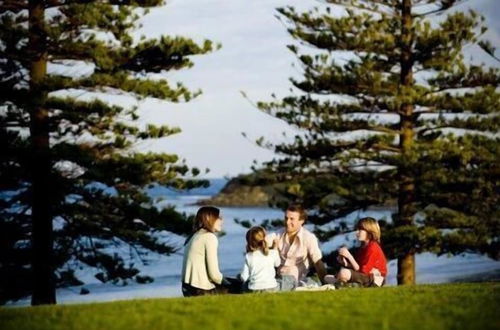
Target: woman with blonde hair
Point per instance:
(200, 269)
(259, 270)
(369, 268)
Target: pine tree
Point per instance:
(72, 180)
(389, 110)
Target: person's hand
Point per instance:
(375, 272)
(344, 252)
(275, 243)
(272, 240)
(342, 261)
(225, 282)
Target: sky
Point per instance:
(253, 59)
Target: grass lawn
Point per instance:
(450, 306)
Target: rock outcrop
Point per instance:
(237, 193)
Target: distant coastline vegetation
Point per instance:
(252, 190)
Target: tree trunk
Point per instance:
(406, 269)
(42, 241)
(406, 263)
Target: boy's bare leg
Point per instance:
(344, 275)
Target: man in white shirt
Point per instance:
(298, 248)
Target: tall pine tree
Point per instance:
(72, 180)
(390, 111)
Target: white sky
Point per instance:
(253, 59)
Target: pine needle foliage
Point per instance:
(72, 178)
(389, 111)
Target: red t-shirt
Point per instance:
(371, 256)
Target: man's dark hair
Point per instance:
(299, 209)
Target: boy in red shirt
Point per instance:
(369, 268)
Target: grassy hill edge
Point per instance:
(449, 306)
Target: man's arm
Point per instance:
(315, 256)
(320, 269)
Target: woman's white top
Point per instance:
(259, 269)
(201, 265)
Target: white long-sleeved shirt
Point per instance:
(297, 257)
(201, 265)
(259, 270)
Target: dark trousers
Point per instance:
(230, 285)
(191, 291)
(363, 279)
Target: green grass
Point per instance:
(450, 306)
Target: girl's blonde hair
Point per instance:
(371, 226)
(256, 240)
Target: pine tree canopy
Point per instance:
(391, 111)
(96, 177)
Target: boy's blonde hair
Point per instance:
(371, 226)
(256, 240)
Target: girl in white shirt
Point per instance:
(260, 262)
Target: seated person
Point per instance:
(260, 262)
(298, 248)
(369, 268)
